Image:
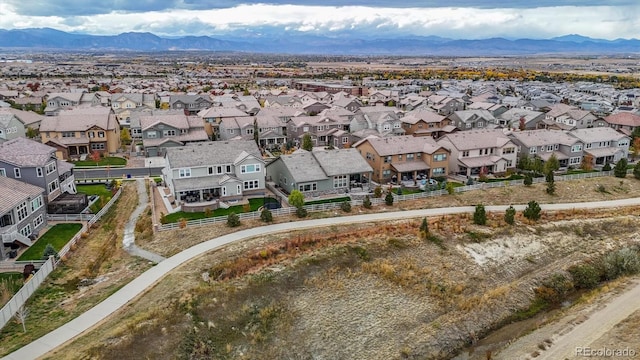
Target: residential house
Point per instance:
(203, 174)
(445, 105)
(162, 130)
(523, 119)
(324, 130)
(404, 158)
(347, 102)
(22, 214)
(477, 151)
(603, 144)
(543, 143)
(123, 104)
(493, 108)
(268, 131)
(320, 172)
(29, 119)
(56, 102)
(625, 122)
(472, 119)
(383, 97)
(567, 117)
(10, 126)
(290, 101)
(214, 115)
(79, 132)
(424, 122)
(36, 164)
(315, 108)
(190, 104)
(383, 120)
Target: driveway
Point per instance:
(148, 279)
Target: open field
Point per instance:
(367, 291)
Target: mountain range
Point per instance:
(301, 43)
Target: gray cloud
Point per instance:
(66, 8)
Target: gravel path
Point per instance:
(128, 241)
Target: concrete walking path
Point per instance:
(149, 278)
(128, 241)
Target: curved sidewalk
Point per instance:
(149, 278)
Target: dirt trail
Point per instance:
(567, 343)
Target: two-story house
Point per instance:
(404, 158)
(35, 163)
(625, 122)
(475, 151)
(543, 143)
(567, 117)
(163, 130)
(190, 104)
(81, 131)
(10, 126)
(203, 174)
(472, 119)
(213, 116)
(56, 102)
(324, 130)
(445, 105)
(320, 172)
(523, 119)
(124, 104)
(603, 144)
(424, 122)
(384, 121)
(22, 214)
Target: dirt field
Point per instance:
(373, 291)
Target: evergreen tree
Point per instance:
(480, 215)
(620, 170)
(510, 215)
(307, 143)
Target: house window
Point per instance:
(218, 170)
(396, 125)
(185, 172)
(437, 171)
(210, 170)
(38, 221)
(39, 172)
(228, 169)
(97, 146)
(345, 140)
(509, 163)
(16, 173)
(21, 210)
(386, 173)
(387, 159)
(465, 153)
(252, 168)
(468, 125)
(36, 203)
(549, 147)
(439, 157)
(320, 127)
(556, 147)
(52, 186)
(67, 134)
(251, 184)
(305, 129)
(533, 150)
(239, 189)
(26, 231)
(480, 124)
(224, 191)
(166, 133)
(340, 181)
(3, 172)
(574, 160)
(151, 134)
(308, 187)
(622, 143)
(51, 167)
(250, 131)
(387, 127)
(576, 148)
(230, 131)
(92, 134)
(400, 157)
(410, 156)
(508, 150)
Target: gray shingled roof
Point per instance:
(477, 139)
(24, 152)
(597, 134)
(406, 144)
(209, 153)
(15, 192)
(531, 138)
(341, 162)
(303, 166)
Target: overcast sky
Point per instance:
(375, 18)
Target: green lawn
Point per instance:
(254, 204)
(512, 177)
(406, 191)
(579, 171)
(326, 201)
(111, 161)
(58, 236)
(96, 189)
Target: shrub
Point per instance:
(551, 183)
(207, 212)
(233, 220)
(296, 198)
(620, 170)
(621, 262)
(532, 212)
(636, 171)
(480, 215)
(388, 199)
(182, 223)
(470, 181)
(345, 206)
(585, 276)
(554, 289)
(163, 218)
(528, 179)
(424, 229)
(266, 216)
(366, 203)
(450, 188)
(377, 192)
(510, 215)
(301, 212)
(49, 250)
(606, 167)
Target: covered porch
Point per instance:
(563, 159)
(410, 171)
(602, 156)
(474, 166)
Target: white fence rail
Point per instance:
(21, 297)
(376, 201)
(69, 217)
(46, 267)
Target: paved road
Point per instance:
(149, 278)
(128, 240)
(103, 173)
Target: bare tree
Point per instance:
(21, 315)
